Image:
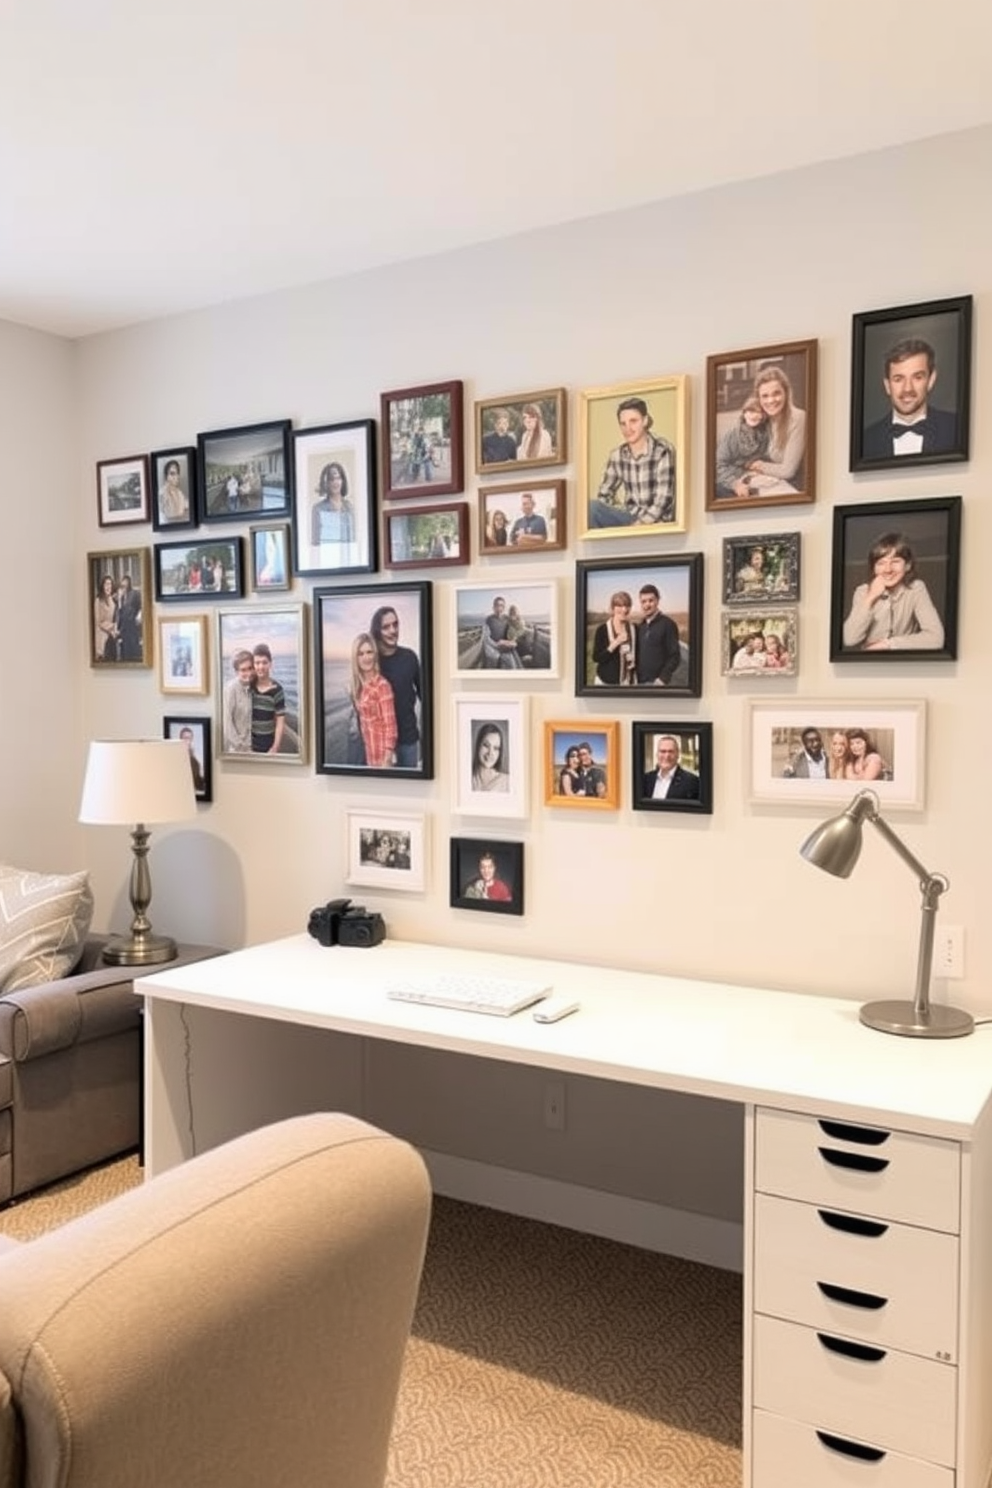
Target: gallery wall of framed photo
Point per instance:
(576, 598)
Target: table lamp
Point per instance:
(134, 782)
(835, 847)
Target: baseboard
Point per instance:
(696, 1237)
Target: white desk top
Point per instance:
(744, 1044)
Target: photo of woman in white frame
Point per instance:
(491, 755)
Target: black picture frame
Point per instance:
(774, 579)
(440, 468)
(932, 530)
(340, 617)
(679, 580)
(943, 330)
(180, 568)
(334, 522)
(194, 730)
(732, 379)
(691, 788)
(169, 495)
(466, 871)
(245, 472)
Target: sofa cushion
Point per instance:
(44, 918)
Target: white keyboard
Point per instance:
(474, 994)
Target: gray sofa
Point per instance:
(70, 1070)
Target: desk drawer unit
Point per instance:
(790, 1454)
(867, 1169)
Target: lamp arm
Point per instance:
(932, 885)
(909, 858)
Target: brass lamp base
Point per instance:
(139, 950)
(902, 1018)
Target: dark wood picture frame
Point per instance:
(180, 569)
(434, 467)
(174, 500)
(920, 621)
(466, 875)
(334, 481)
(425, 536)
(174, 726)
(745, 467)
(691, 787)
(679, 580)
(120, 631)
(245, 472)
(761, 570)
(542, 529)
(122, 491)
(340, 618)
(521, 420)
(899, 355)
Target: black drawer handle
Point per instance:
(850, 1448)
(870, 1229)
(842, 1131)
(852, 1298)
(852, 1350)
(855, 1160)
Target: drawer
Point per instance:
(868, 1169)
(889, 1284)
(894, 1400)
(790, 1454)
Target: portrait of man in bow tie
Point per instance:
(911, 379)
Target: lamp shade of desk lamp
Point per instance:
(135, 782)
(835, 847)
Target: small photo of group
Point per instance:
(761, 643)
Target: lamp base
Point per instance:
(902, 1018)
(139, 950)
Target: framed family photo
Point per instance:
(491, 755)
(423, 441)
(760, 643)
(894, 580)
(487, 875)
(639, 626)
(671, 766)
(911, 385)
(634, 455)
(507, 631)
(182, 655)
(173, 474)
(522, 519)
(761, 426)
(194, 731)
(582, 764)
(759, 570)
(120, 613)
(426, 536)
(374, 680)
(822, 753)
(334, 524)
(204, 569)
(122, 491)
(387, 850)
(244, 472)
(522, 430)
(261, 690)
(268, 546)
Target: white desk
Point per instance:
(912, 1161)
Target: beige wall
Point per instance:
(652, 291)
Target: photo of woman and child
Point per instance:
(761, 437)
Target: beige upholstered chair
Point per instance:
(238, 1322)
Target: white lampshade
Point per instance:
(137, 780)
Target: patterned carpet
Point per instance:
(540, 1357)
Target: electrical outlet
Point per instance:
(554, 1105)
(948, 952)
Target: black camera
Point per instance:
(339, 922)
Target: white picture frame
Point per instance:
(774, 742)
(387, 850)
(535, 655)
(491, 755)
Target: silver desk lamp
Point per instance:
(835, 847)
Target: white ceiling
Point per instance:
(156, 157)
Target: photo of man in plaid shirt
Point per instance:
(638, 485)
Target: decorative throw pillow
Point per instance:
(44, 918)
